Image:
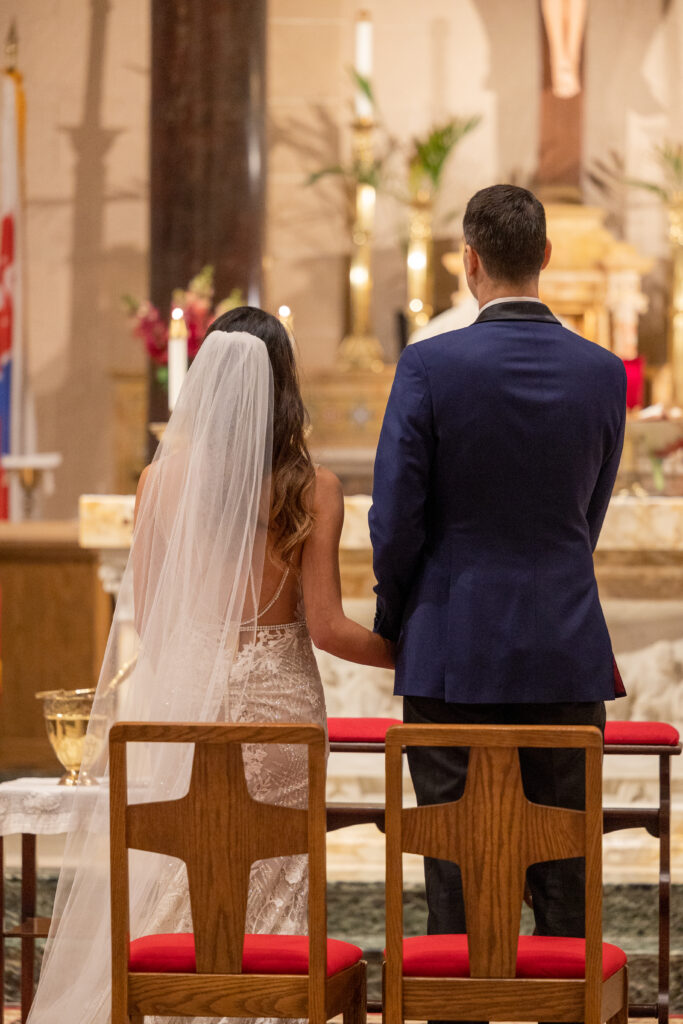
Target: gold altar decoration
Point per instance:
(669, 190)
(360, 349)
(346, 409)
(675, 209)
(593, 281)
(575, 283)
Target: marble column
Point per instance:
(207, 171)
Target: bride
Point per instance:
(233, 571)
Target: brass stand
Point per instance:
(420, 269)
(360, 349)
(31, 471)
(676, 322)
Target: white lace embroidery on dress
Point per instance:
(281, 684)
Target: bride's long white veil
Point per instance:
(194, 575)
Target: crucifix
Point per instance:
(563, 24)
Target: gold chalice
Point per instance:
(67, 713)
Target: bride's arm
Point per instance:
(329, 627)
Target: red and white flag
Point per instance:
(12, 370)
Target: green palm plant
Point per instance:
(429, 155)
(670, 159)
(361, 171)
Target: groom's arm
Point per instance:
(602, 491)
(399, 494)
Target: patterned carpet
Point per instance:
(356, 913)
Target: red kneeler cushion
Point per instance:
(263, 954)
(374, 730)
(446, 956)
(359, 730)
(657, 734)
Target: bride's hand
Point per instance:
(391, 651)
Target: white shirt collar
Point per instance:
(510, 298)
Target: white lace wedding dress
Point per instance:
(276, 673)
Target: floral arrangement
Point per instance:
(196, 302)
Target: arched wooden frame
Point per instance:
(494, 833)
(218, 830)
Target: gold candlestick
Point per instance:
(360, 349)
(676, 323)
(420, 269)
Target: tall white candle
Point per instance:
(363, 63)
(177, 356)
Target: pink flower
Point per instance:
(153, 331)
(197, 318)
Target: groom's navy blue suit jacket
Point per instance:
(495, 465)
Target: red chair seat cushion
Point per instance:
(263, 954)
(359, 730)
(658, 734)
(446, 956)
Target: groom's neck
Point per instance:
(489, 290)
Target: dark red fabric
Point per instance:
(635, 381)
(659, 734)
(359, 730)
(263, 954)
(446, 956)
(619, 688)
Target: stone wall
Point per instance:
(86, 71)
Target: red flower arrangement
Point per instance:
(196, 303)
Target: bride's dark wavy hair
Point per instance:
(291, 518)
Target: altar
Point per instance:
(638, 567)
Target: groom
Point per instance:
(497, 457)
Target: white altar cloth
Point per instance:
(38, 806)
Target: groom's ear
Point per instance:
(547, 254)
(473, 267)
(470, 260)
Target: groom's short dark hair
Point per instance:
(505, 224)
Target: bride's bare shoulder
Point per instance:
(172, 464)
(143, 482)
(328, 496)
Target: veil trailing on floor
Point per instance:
(193, 576)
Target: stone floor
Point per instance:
(356, 913)
(356, 871)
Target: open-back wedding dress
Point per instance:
(194, 574)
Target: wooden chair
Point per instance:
(219, 831)
(494, 833)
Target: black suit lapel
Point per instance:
(517, 311)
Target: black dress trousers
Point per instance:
(552, 777)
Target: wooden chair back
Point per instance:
(494, 833)
(218, 830)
